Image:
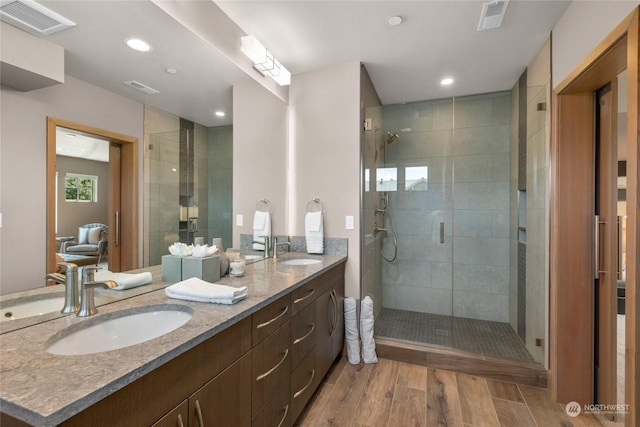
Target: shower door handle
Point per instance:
(441, 231)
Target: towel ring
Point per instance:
(263, 203)
(315, 202)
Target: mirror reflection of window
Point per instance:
(367, 179)
(81, 188)
(416, 178)
(387, 179)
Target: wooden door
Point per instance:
(224, 400)
(115, 168)
(606, 242)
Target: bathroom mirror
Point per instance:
(89, 103)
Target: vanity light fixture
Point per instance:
(446, 81)
(263, 60)
(138, 44)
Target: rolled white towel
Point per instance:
(351, 330)
(198, 290)
(124, 280)
(366, 331)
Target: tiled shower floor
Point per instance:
(493, 339)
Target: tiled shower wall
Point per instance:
(167, 184)
(469, 190)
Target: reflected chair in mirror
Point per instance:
(92, 241)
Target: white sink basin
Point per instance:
(301, 261)
(31, 308)
(118, 330)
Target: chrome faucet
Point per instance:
(71, 284)
(275, 245)
(87, 298)
(268, 245)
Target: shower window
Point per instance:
(387, 179)
(367, 179)
(416, 178)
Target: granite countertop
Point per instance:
(44, 389)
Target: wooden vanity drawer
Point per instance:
(265, 321)
(304, 380)
(303, 334)
(306, 294)
(277, 411)
(270, 366)
(177, 418)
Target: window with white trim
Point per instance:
(81, 188)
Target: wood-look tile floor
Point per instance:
(397, 394)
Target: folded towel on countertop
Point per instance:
(198, 290)
(124, 280)
(314, 232)
(261, 228)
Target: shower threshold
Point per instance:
(484, 348)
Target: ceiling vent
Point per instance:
(492, 14)
(33, 17)
(142, 87)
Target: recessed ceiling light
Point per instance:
(139, 45)
(171, 70)
(220, 113)
(395, 20)
(446, 81)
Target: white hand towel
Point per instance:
(351, 331)
(366, 331)
(198, 290)
(314, 232)
(124, 280)
(261, 228)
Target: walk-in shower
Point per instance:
(440, 215)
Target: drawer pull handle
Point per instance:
(333, 315)
(286, 411)
(295, 301)
(298, 393)
(199, 414)
(262, 325)
(302, 338)
(180, 423)
(266, 374)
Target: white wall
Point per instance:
(325, 155)
(582, 27)
(23, 160)
(259, 157)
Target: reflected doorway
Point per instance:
(117, 175)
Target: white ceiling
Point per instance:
(71, 143)
(406, 62)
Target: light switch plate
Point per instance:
(349, 222)
(239, 220)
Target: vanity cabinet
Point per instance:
(259, 372)
(161, 391)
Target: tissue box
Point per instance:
(171, 268)
(207, 268)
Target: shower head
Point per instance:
(392, 137)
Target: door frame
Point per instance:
(572, 232)
(129, 190)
